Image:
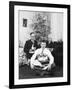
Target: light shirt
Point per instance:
(42, 55)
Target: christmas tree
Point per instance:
(41, 23)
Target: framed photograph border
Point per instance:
(11, 43)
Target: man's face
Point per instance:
(38, 34)
(43, 44)
(33, 36)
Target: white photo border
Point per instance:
(18, 81)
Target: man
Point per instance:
(30, 46)
(42, 59)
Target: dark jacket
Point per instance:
(28, 46)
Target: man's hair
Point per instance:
(44, 41)
(32, 33)
(38, 32)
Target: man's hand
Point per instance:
(47, 67)
(31, 51)
(32, 66)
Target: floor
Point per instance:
(25, 72)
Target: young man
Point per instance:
(42, 59)
(30, 46)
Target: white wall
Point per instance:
(24, 32)
(56, 26)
